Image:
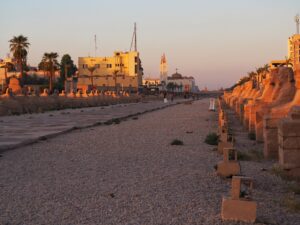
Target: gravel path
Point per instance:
(126, 173)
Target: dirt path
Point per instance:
(126, 173)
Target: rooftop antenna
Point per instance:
(134, 39)
(95, 39)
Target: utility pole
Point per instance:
(297, 20)
(135, 37)
(95, 39)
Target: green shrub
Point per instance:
(253, 155)
(116, 121)
(212, 139)
(243, 156)
(292, 204)
(177, 142)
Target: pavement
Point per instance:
(26, 129)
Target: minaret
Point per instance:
(163, 69)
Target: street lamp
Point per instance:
(115, 79)
(67, 66)
(92, 68)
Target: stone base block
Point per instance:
(289, 158)
(271, 145)
(238, 210)
(226, 169)
(222, 145)
(295, 172)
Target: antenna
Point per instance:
(95, 39)
(134, 39)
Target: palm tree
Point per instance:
(50, 64)
(18, 46)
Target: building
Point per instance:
(293, 50)
(122, 71)
(179, 83)
(151, 82)
(7, 70)
(163, 69)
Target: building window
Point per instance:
(136, 59)
(108, 65)
(135, 69)
(97, 66)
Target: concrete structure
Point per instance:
(293, 50)
(276, 63)
(122, 71)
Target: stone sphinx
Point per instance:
(265, 98)
(282, 92)
(288, 97)
(14, 85)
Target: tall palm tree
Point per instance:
(50, 64)
(19, 46)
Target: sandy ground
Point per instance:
(128, 173)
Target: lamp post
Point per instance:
(92, 68)
(115, 79)
(67, 66)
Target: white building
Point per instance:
(179, 83)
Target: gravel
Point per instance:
(128, 173)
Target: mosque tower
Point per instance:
(163, 69)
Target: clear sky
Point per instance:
(216, 41)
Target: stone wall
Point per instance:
(16, 105)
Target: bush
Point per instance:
(242, 156)
(212, 139)
(253, 155)
(292, 204)
(177, 142)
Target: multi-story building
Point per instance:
(122, 71)
(294, 50)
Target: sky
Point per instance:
(215, 41)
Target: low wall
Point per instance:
(33, 104)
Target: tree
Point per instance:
(67, 67)
(49, 63)
(19, 46)
(170, 86)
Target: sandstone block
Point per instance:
(238, 210)
(289, 159)
(227, 169)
